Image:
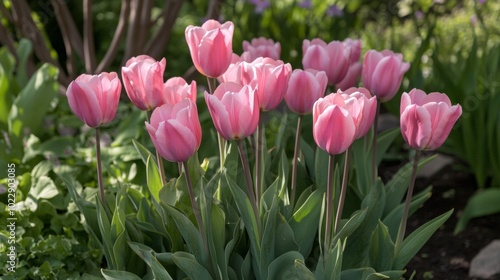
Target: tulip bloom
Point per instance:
(304, 88)
(234, 109)
(175, 130)
(260, 47)
(427, 119)
(177, 89)
(94, 98)
(334, 128)
(333, 58)
(354, 70)
(143, 80)
(211, 47)
(383, 72)
(272, 78)
(367, 104)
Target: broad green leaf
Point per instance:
(6, 98)
(24, 49)
(393, 219)
(143, 152)
(43, 189)
(56, 147)
(286, 267)
(149, 257)
(350, 226)
(118, 275)
(189, 232)
(305, 220)
(480, 204)
(33, 102)
(414, 242)
(187, 263)
(153, 178)
(105, 229)
(366, 273)
(381, 249)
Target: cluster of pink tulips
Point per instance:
(257, 81)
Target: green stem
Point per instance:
(248, 178)
(258, 163)
(374, 144)
(343, 190)
(329, 205)
(99, 167)
(196, 209)
(295, 161)
(404, 218)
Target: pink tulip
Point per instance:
(383, 72)
(334, 129)
(365, 109)
(177, 89)
(354, 70)
(143, 80)
(352, 76)
(234, 109)
(211, 47)
(94, 98)
(304, 88)
(427, 119)
(333, 58)
(260, 47)
(175, 130)
(231, 74)
(272, 78)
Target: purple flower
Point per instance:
(419, 14)
(334, 11)
(481, 1)
(306, 4)
(260, 5)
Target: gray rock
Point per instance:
(487, 262)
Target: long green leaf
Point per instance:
(153, 178)
(187, 263)
(414, 242)
(148, 256)
(480, 204)
(118, 275)
(381, 249)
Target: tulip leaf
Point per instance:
(189, 232)
(350, 226)
(332, 267)
(153, 178)
(381, 248)
(480, 204)
(304, 222)
(414, 242)
(365, 273)
(34, 101)
(6, 98)
(149, 257)
(118, 275)
(188, 263)
(143, 152)
(289, 266)
(247, 215)
(393, 219)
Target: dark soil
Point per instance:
(445, 255)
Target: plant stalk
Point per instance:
(404, 218)
(343, 190)
(258, 163)
(295, 161)
(99, 166)
(329, 205)
(196, 209)
(374, 144)
(248, 177)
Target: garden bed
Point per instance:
(446, 255)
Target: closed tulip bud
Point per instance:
(234, 109)
(94, 98)
(383, 72)
(304, 88)
(177, 89)
(143, 80)
(211, 47)
(366, 107)
(427, 119)
(333, 58)
(260, 47)
(175, 130)
(334, 129)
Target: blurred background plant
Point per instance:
(454, 47)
